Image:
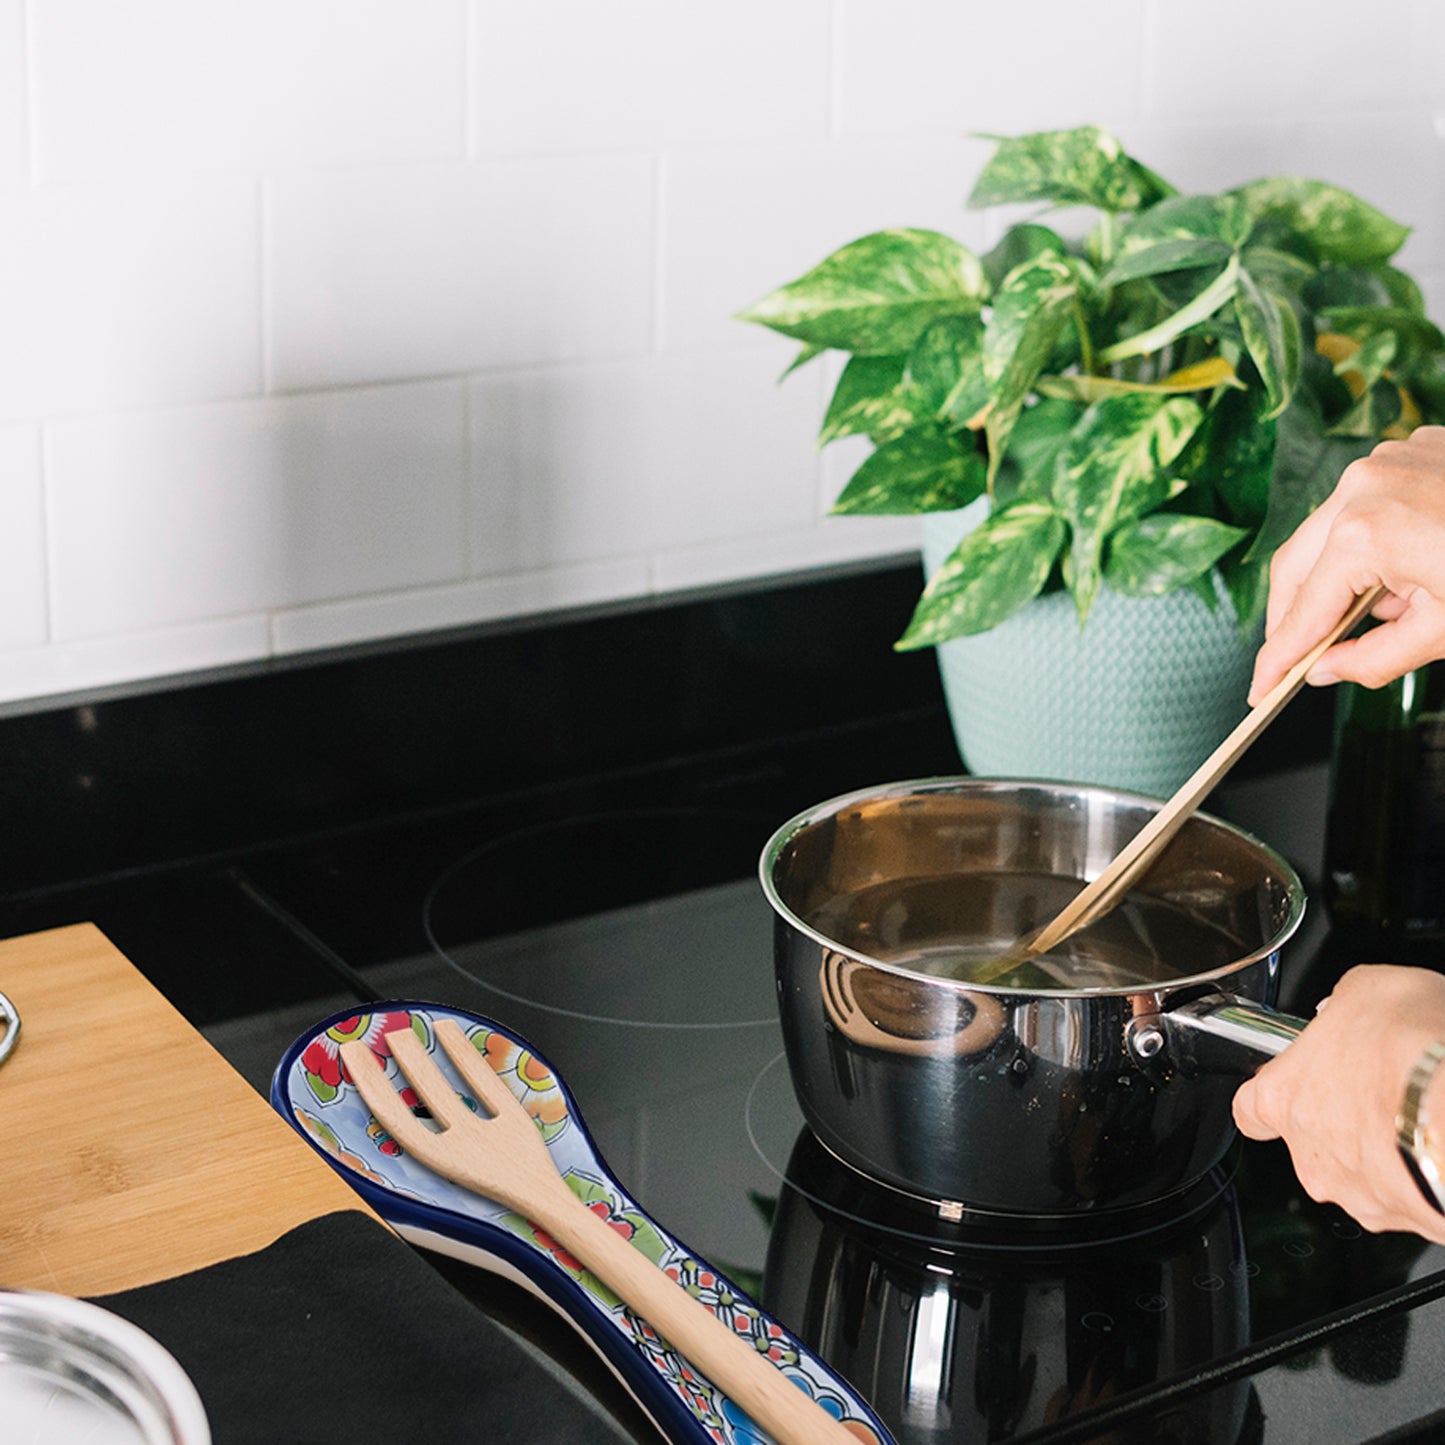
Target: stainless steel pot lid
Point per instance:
(72, 1371)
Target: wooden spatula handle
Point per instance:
(1132, 862)
(729, 1359)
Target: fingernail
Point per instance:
(1322, 679)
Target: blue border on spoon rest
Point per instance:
(299, 1095)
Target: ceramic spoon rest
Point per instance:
(312, 1092)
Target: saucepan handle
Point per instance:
(1214, 1033)
(1220, 1034)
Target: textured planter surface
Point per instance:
(1136, 699)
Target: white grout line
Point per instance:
(469, 486)
(1148, 53)
(834, 85)
(263, 241)
(31, 139)
(47, 530)
(657, 328)
(471, 126)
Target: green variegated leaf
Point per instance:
(1370, 358)
(1307, 465)
(1337, 225)
(875, 296)
(1021, 243)
(995, 570)
(945, 377)
(920, 471)
(1377, 408)
(1203, 588)
(1029, 312)
(1278, 271)
(1209, 299)
(868, 400)
(1181, 254)
(1039, 438)
(1272, 336)
(1231, 456)
(1086, 166)
(802, 359)
(1153, 555)
(1414, 334)
(1220, 220)
(1426, 385)
(1247, 582)
(1346, 286)
(1113, 469)
(1403, 290)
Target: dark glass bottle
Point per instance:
(1385, 835)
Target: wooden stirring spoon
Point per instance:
(1134, 860)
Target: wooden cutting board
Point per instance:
(132, 1150)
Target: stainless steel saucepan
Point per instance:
(1093, 1081)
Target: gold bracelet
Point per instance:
(1412, 1128)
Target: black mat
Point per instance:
(341, 1331)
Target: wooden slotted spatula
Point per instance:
(1134, 860)
(504, 1158)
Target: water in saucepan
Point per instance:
(957, 927)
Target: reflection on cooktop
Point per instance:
(804, 1166)
(956, 1340)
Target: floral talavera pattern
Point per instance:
(339, 1124)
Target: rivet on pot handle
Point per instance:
(1213, 1034)
(10, 1020)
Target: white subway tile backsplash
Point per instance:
(1295, 57)
(911, 66)
(78, 666)
(422, 271)
(573, 75)
(14, 133)
(178, 516)
(339, 624)
(22, 539)
(330, 322)
(119, 295)
(583, 463)
(742, 221)
(121, 89)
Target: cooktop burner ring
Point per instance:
(593, 961)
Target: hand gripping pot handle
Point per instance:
(1219, 1034)
(1215, 1033)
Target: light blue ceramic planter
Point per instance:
(1136, 699)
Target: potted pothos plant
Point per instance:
(1139, 413)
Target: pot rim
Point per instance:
(953, 783)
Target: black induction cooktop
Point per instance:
(611, 915)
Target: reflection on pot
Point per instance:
(984, 1329)
(901, 1015)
